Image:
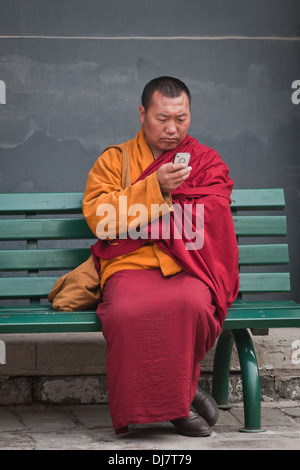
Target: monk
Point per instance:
(167, 259)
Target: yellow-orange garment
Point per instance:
(104, 187)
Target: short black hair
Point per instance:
(169, 87)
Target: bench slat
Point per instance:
(70, 258)
(260, 226)
(272, 315)
(255, 255)
(47, 229)
(22, 203)
(242, 199)
(264, 282)
(254, 199)
(49, 321)
(23, 287)
(252, 315)
(43, 259)
(44, 229)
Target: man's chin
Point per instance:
(169, 145)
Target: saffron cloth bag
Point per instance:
(80, 289)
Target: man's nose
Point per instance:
(171, 128)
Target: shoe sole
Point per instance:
(203, 434)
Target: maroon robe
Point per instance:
(158, 328)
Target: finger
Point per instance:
(184, 171)
(179, 166)
(173, 167)
(178, 178)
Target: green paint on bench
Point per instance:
(29, 270)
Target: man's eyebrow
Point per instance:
(167, 115)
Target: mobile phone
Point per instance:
(182, 158)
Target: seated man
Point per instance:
(167, 276)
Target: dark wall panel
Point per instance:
(150, 17)
(74, 72)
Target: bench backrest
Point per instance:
(30, 261)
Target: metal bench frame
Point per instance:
(31, 218)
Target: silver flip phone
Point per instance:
(182, 158)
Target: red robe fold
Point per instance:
(216, 262)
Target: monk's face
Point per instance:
(166, 122)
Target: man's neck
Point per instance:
(155, 152)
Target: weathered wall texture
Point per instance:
(71, 76)
(74, 71)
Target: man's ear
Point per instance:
(142, 114)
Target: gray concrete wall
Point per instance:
(71, 76)
(70, 368)
(74, 71)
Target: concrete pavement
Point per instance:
(88, 427)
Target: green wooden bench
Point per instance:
(30, 223)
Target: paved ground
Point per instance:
(88, 427)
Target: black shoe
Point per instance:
(205, 406)
(193, 426)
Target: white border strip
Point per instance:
(162, 38)
(2, 352)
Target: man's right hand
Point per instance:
(171, 175)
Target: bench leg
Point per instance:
(250, 376)
(250, 379)
(221, 369)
